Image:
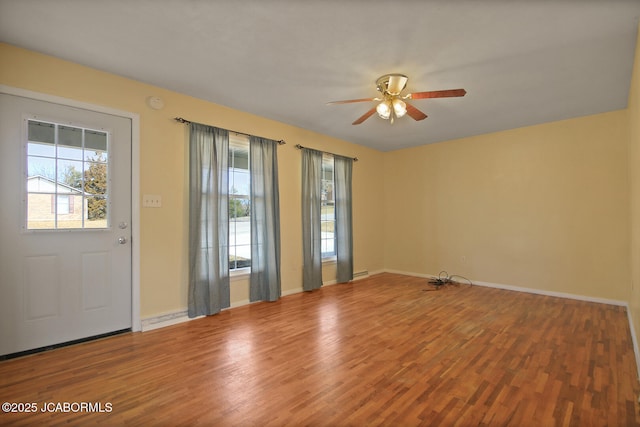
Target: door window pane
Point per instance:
(72, 153)
(67, 182)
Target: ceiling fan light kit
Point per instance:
(392, 104)
(399, 107)
(384, 110)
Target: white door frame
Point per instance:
(135, 181)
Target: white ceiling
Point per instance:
(521, 62)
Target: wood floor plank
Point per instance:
(387, 350)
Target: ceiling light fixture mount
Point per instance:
(392, 104)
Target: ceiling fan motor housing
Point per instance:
(392, 84)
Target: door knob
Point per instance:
(122, 240)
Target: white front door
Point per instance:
(65, 224)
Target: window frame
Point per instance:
(238, 143)
(327, 198)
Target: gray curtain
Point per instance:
(264, 282)
(311, 210)
(208, 220)
(343, 167)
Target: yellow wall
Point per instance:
(163, 171)
(543, 207)
(634, 180)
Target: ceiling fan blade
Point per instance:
(414, 113)
(349, 101)
(438, 94)
(364, 117)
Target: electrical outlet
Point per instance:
(463, 259)
(151, 201)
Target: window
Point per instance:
(64, 204)
(66, 177)
(239, 203)
(236, 226)
(328, 208)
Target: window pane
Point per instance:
(95, 156)
(239, 157)
(67, 216)
(239, 182)
(96, 189)
(243, 256)
(75, 153)
(239, 208)
(41, 213)
(327, 231)
(232, 257)
(41, 166)
(96, 216)
(69, 174)
(95, 178)
(327, 192)
(328, 247)
(239, 233)
(41, 149)
(327, 211)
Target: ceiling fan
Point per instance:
(392, 104)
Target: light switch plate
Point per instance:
(151, 201)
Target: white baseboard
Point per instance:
(373, 273)
(238, 304)
(166, 319)
(636, 349)
(551, 293)
(409, 273)
(521, 289)
(175, 317)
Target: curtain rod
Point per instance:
(181, 120)
(355, 159)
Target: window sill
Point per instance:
(329, 260)
(239, 274)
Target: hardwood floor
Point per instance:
(380, 351)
